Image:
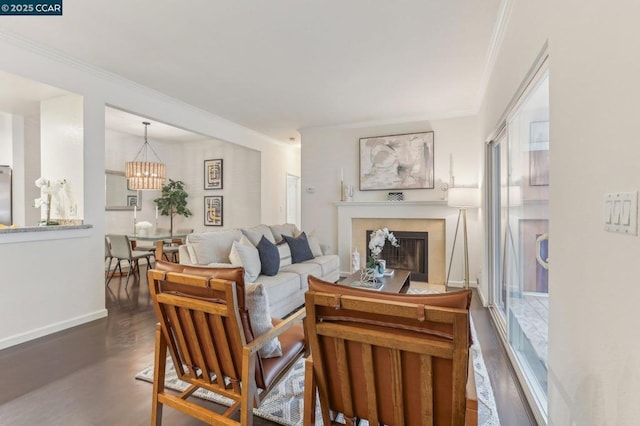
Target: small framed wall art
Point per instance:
(213, 210)
(397, 162)
(213, 174)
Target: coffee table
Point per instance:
(396, 283)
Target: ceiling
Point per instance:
(23, 97)
(283, 65)
(125, 122)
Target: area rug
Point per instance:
(284, 405)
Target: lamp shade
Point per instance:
(464, 197)
(144, 175)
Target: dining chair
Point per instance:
(107, 256)
(121, 251)
(170, 248)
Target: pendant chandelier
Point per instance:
(144, 174)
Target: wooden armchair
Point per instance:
(204, 325)
(390, 359)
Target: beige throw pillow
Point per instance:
(245, 254)
(314, 245)
(258, 306)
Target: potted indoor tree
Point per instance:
(173, 200)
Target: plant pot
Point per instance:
(380, 268)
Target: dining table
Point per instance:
(159, 240)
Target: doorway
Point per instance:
(293, 199)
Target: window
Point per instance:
(518, 169)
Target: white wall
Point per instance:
(20, 146)
(276, 163)
(6, 139)
(523, 38)
(325, 151)
(241, 191)
(595, 92)
(76, 294)
(61, 149)
(26, 191)
(185, 162)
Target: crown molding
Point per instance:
(396, 120)
(497, 36)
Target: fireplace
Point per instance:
(411, 255)
(434, 229)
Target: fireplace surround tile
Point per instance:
(434, 227)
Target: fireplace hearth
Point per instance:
(411, 254)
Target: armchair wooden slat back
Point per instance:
(202, 330)
(383, 361)
(201, 327)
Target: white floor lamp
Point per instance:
(463, 198)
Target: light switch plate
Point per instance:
(621, 212)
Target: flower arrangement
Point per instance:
(49, 190)
(377, 240)
(143, 228)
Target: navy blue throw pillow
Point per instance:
(300, 250)
(269, 257)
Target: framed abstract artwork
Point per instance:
(213, 174)
(213, 213)
(397, 162)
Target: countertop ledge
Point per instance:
(50, 228)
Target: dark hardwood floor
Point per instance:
(85, 375)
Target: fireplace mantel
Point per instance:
(349, 210)
(390, 203)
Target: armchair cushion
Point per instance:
(292, 342)
(258, 307)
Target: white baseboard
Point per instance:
(460, 284)
(51, 328)
(483, 298)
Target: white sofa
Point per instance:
(286, 289)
